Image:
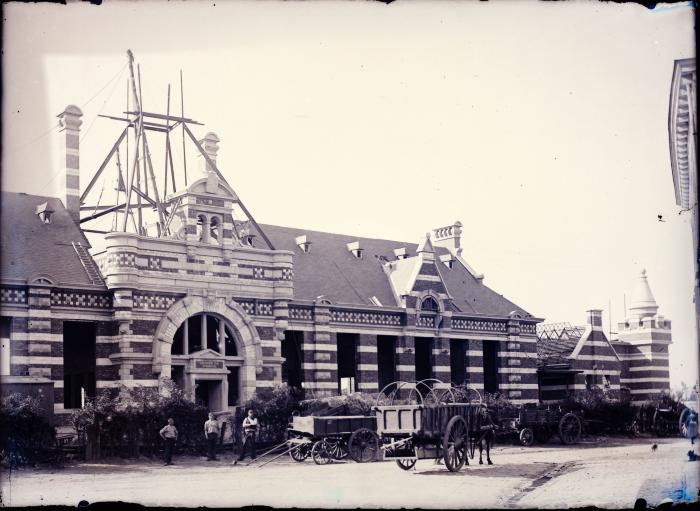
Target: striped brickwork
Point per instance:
(367, 368)
(70, 121)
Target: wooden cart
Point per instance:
(325, 439)
(540, 423)
(431, 428)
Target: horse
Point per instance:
(482, 434)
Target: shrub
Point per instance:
(25, 435)
(128, 421)
(609, 412)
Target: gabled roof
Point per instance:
(31, 248)
(330, 269)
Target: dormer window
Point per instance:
(400, 253)
(448, 260)
(355, 249)
(248, 239)
(303, 243)
(429, 304)
(45, 212)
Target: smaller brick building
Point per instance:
(577, 358)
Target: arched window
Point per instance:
(202, 233)
(429, 304)
(204, 331)
(214, 229)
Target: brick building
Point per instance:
(223, 314)
(577, 358)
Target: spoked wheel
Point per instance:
(454, 444)
(300, 451)
(335, 448)
(319, 453)
(406, 464)
(569, 429)
(363, 445)
(527, 437)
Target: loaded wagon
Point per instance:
(331, 438)
(429, 426)
(541, 422)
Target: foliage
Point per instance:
(128, 420)
(25, 435)
(273, 407)
(609, 411)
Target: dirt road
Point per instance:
(609, 474)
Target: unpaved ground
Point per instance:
(606, 474)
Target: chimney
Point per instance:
(595, 318)
(449, 237)
(69, 121)
(210, 144)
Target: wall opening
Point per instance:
(458, 361)
(490, 353)
(191, 337)
(78, 363)
(208, 393)
(347, 362)
(234, 391)
(5, 353)
(424, 357)
(386, 359)
(292, 372)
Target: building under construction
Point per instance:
(187, 285)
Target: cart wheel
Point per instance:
(319, 453)
(569, 429)
(527, 437)
(454, 443)
(363, 445)
(406, 464)
(300, 452)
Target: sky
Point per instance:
(542, 127)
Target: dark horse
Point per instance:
(482, 434)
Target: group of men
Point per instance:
(212, 431)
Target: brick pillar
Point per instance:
(70, 122)
(367, 371)
(406, 359)
(441, 359)
(320, 356)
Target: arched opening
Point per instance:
(202, 228)
(204, 331)
(429, 304)
(214, 230)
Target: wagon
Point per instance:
(540, 423)
(331, 438)
(430, 425)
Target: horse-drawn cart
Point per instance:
(429, 429)
(539, 423)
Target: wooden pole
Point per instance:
(182, 114)
(167, 146)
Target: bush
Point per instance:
(128, 421)
(605, 412)
(25, 435)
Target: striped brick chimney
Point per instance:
(70, 121)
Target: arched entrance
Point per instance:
(209, 347)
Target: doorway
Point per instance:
(424, 355)
(490, 366)
(386, 360)
(347, 362)
(458, 361)
(208, 394)
(78, 363)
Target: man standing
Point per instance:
(250, 429)
(211, 432)
(169, 435)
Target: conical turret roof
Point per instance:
(643, 302)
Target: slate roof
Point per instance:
(31, 248)
(330, 269)
(555, 342)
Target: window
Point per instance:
(429, 304)
(79, 363)
(204, 331)
(202, 233)
(214, 226)
(292, 372)
(5, 328)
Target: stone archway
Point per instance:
(244, 330)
